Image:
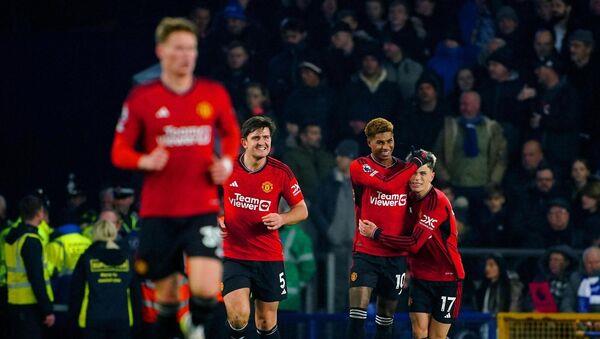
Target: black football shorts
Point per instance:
(385, 275)
(441, 299)
(265, 279)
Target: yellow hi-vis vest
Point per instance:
(19, 288)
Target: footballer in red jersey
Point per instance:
(167, 129)
(380, 184)
(253, 252)
(435, 263)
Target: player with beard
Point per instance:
(435, 263)
(253, 252)
(380, 184)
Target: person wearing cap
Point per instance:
(556, 119)
(425, 114)
(400, 68)
(124, 199)
(333, 214)
(559, 229)
(343, 55)
(283, 72)
(312, 101)
(509, 29)
(584, 74)
(368, 95)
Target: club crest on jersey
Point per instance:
(204, 110)
(353, 276)
(267, 186)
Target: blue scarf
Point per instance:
(470, 146)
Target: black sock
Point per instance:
(166, 320)
(201, 310)
(270, 334)
(356, 326)
(385, 327)
(235, 333)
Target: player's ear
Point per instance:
(158, 50)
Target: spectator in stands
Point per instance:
(334, 216)
(590, 220)
(425, 114)
(588, 294)
(559, 228)
(402, 28)
(510, 31)
(584, 75)
(349, 16)
(543, 48)
(500, 96)
(552, 281)
(592, 20)
(448, 59)
(521, 176)
(494, 224)
(368, 95)
(436, 18)
(563, 23)
(375, 21)
(492, 46)
(237, 73)
(201, 16)
(283, 72)
(476, 24)
(557, 118)
(544, 15)
(500, 290)
(401, 69)
(322, 21)
(106, 197)
(581, 175)
(257, 101)
(343, 55)
(533, 202)
(465, 81)
(313, 101)
(310, 162)
(471, 151)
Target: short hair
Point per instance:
(397, 3)
(544, 167)
(544, 29)
(378, 125)
(29, 207)
(305, 125)
(592, 190)
(236, 44)
(257, 122)
(170, 25)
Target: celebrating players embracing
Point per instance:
(253, 251)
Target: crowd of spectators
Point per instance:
(506, 93)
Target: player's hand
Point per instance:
(222, 227)
(49, 320)
(273, 221)
(367, 228)
(155, 160)
(220, 170)
(418, 156)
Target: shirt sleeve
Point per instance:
(31, 252)
(291, 190)
(583, 296)
(227, 124)
(362, 174)
(129, 128)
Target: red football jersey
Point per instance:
(186, 124)
(433, 243)
(380, 196)
(248, 197)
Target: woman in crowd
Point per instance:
(498, 292)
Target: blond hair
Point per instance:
(105, 230)
(170, 25)
(378, 125)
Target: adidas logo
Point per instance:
(234, 184)
(447, 316)
(162, 113)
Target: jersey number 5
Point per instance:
(282, 283)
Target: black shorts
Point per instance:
(265, 279)
(385, 275)
(441, 299)
(163, 241)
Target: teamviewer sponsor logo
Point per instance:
(250, 203)
(388, 200)
(186, 136)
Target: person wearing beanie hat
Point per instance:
(559, 229)
(400, 68)
(342, 55)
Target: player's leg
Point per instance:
(390, 284)
(269, 288)
(419, 322)
(363, 279)
(438, 330)
(237, 304)
(445, 309)
(201, 242)
(266, 319)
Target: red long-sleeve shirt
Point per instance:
(380, 195)
(433, 244)
(186, 124)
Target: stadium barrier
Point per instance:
(548, 325)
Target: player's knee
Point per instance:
(239, 319)
(419, 332)
(266, 320)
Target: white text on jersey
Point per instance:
(250, 203)
(388, 200)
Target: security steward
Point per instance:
(105, 295)
(29, 291)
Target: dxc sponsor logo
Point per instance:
(428, 222)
